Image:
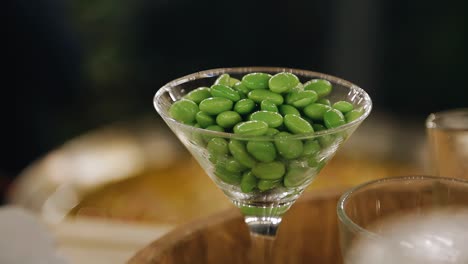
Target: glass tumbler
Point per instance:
(447, 133)
(364, 214)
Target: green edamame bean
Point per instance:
(271, 131)
(318, 127)
(228, 119)
(320, 86)
(233, 165)
(301, 99)
(288, 148)
(288, 110)
(264, 151)
(257, 80)
(218, 147)
(224, 91)
(198, 94)
(267, 105)
(197, 138)
(333, 118)
(299, 87)
(265, 185)
(233, 81)
(343, 106)
(204, 119)
(244, 106)
(324, 101)
(215, 105)
(316, 111)
(259, 95)
(297, 124)
(251, 128)
(314, 162)
(273, 119)
(227, 176)
(248, 182)
(216, 128)
(283, 82)
(296, 176)
(223, 79)
(269, 170)
(354, 114)
(326, 140)
(184, 111)
(239, 152)
(311, 147)
(242, 89)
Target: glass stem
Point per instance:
(261, 249)
(262, 238)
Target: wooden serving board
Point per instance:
(308, 234)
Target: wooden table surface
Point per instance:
(308, 234)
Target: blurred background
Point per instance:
(71, 67)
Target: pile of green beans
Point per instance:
(261, 105)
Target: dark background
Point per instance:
(73, 66)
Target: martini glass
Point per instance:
(262, 207)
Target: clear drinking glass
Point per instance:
(263, 210)
(365, 212)
(448, 140)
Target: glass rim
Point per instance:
(219, 71)
(431, 120)
(346, 220)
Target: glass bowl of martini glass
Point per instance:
(262, 134)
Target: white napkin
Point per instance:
(24, 240)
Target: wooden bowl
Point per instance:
(308, 234)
